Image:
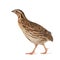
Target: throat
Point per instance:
(19, 20)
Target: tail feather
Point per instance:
(49, 36)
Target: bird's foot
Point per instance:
(45, 51)
(30, 53)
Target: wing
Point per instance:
(37, 30)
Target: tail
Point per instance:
(49, 36)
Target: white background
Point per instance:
(13, 43)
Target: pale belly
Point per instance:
(34, 39)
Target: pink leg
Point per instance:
(45, 49)
(32, 51)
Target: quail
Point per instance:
(34, 32)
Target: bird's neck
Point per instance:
(19, 19)
(22, 19)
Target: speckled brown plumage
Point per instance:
(33, 31)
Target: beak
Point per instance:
(12, 11)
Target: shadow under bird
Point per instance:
(33, 31)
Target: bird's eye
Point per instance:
(16, 11)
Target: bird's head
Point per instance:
(19, 13)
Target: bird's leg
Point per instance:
(32, 51)
(45, 49)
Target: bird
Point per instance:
(34, 32)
